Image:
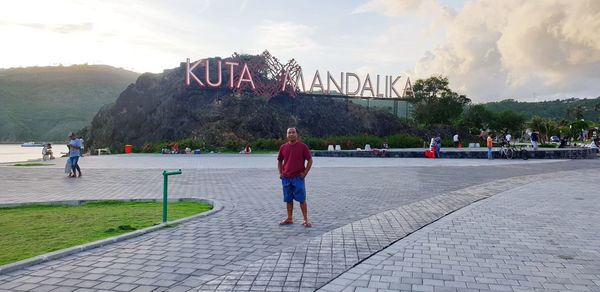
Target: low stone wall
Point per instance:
(468, 153)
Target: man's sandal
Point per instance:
(306, 224)
(286, 222)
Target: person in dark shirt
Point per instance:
(292, 172)
(534, 140)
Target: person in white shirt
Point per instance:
(508, 137)
(456, 140)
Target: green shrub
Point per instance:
(233, 145)
(447, 142)
(269, 144)
(314, 143)
(404, 141)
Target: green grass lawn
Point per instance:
(32, 164)
(31, 230)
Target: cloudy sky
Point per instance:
(489, 49)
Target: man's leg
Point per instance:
(304, 209)
(290, 211)
(288, 198)
(77, 165)
(300, 196)
(72, 165)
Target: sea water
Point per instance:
(16, 153)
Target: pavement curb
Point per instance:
(217, 206)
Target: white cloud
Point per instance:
(513, 49)
(136, 35)
(284, 38)
(430, 9)
(501, 49)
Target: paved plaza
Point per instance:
(379, 224)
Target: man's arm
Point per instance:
(308, 166)
(280, 167)
(74, 145)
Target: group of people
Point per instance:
(506, 139)
(171, 149)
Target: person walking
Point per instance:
(292, 172)
(74, 146)
(490, 145)
(534, 140)
(438, 146)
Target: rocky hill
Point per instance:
(46, 103)
(159, 107)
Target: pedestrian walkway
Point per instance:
(543, 236)
(346, 203)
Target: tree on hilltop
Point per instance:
(435, 103)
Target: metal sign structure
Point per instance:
(268, 77)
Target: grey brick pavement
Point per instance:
(246, 231)
(307, 266)
(543, 236)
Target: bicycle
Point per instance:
(506, 152)
(511, 151)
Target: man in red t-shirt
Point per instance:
(290, 162)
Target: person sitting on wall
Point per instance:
(247, 149)
(47, 152)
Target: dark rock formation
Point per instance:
(159, 107)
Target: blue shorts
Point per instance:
(293, 189)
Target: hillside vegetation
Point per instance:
(554, 109)
(46, 103)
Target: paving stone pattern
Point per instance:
(310, 265)
(535, 238)
(246, 231)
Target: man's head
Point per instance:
(292, 134)
(72, 135)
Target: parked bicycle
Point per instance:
(512, 151)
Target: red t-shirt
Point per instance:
(293, 156)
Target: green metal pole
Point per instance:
(165, 187)
(165, 183)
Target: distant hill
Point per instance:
(46, 103)
(555, 109)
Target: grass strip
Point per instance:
(31, 230)
(32, 164)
